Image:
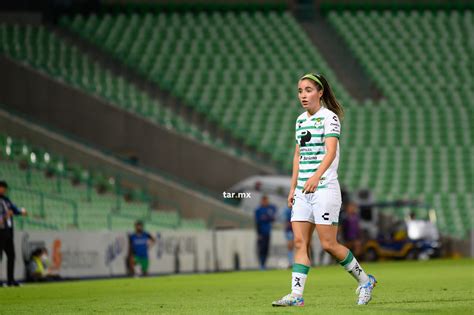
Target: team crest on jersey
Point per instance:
(319, 122)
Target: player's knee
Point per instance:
(328, 245)
(300, 244)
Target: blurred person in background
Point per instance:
(39, 266)
(289, 236)
(7, 210)
(351, 229)
(264, 217)
(36, 269)
(139, 243)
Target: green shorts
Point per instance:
(143, 262)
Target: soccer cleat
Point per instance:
(289, 300)
(365, 291)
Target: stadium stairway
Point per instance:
(338, 55)
(191, 208)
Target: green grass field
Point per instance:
(433, 287)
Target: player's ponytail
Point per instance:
(328, 98)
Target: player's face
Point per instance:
(308, 94)
(3, 191)
(138, 228)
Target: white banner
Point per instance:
(102, 254)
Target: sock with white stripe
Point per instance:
(352, 266)
(298, 279)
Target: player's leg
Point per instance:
(144, 265)
(260, 249)
(131, 264)
(303, 227)
(328, 238)
(265, 249)
(326, 213)
(309, 237)
(2, 248)
(326, 207)
(302, 241)
(302, 236)
(10, 251)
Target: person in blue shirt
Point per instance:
(140, 241)
(289, 236)
(7, 210)
(264, 216)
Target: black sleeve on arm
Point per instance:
(12, 206)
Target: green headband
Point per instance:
(314, 78)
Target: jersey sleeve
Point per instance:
(332, 126)
(12, 206)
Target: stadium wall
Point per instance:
(125, 134)
(104, 254)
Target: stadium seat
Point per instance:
(38, 47)
(420, 60)
(76, 198)
(239, 69)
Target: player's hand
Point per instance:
(291, 197)
(24, 212)
(311, 184)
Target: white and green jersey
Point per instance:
(311, 131)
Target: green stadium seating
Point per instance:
(240, 69)
(62, 196)
(38, 47)
(421, 134)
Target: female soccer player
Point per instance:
(315, 195)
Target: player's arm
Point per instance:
(257, 221)
(14, 208)
(331, 148)
(130, 246)
(272, 217)
(294, 176)
(151, 240)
